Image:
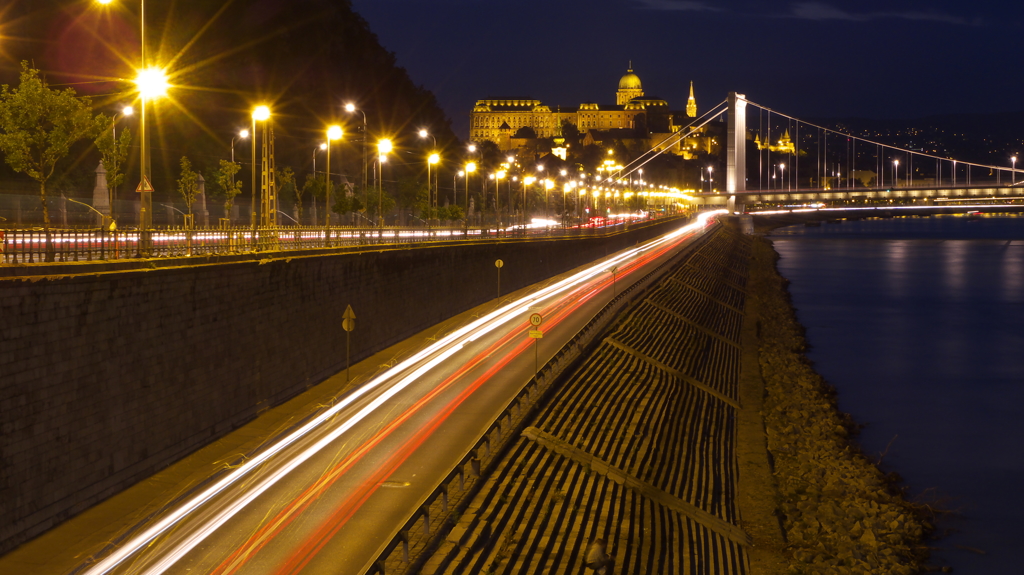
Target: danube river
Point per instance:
(919, 324)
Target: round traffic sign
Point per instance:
(498, 264)
(536, 319)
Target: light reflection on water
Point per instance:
(919, 323)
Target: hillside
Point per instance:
(304, 60)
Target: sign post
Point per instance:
(499, 264)
(535, 320)
(348, 323)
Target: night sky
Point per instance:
(870, 58)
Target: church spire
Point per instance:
(691, 103)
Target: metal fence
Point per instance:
(32, 245)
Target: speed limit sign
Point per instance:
(536, 319)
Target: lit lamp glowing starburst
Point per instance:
(152, 83)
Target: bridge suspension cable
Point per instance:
(672, 139)
(854, 162)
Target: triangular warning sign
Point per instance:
(144, 185)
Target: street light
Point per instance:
(333, 133)
(350, 108)
(243, 134)
(895, 173)
(384, 148)
(261, 114)
(431, 198)
(497, 194)
(548, 185)
(322, 146)
(1013, 163)
(240, 136)
(152, 83)
(125, 112)
(782, 175)
(470, 168)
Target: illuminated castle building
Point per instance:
(503, 120)
(785, 145)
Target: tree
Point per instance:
(314, 186)
(188, 184)
(286, 187)
(375, 204)
(451, 213)
(412, 194)
(114, 153)
(525, 132)
(225, 185)
(38, 126)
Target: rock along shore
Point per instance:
(839, 512)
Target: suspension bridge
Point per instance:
(775, 160)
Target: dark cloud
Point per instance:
(819, 11)
(812, 11)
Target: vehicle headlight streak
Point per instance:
(431, 356)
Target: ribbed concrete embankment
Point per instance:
(637, 447)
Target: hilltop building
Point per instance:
(784, 146)
(634, 116)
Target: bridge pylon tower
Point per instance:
(736, 150)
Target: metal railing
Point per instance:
(32, 245)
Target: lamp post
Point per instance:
(322, 146)
(384, 147)
(455, 188)
(470, 168)
(240, 136)
(497, 194)
(782, 175)
(259, 113)
(350, 108)
(711, 179)
(432, 197)
(333, 133)
(426, 134)
(895, 173)
(243, 134)
(527, 182)
(152, 83)
(1013, 170)
(125, 112)
(548, 185)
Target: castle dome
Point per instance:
(630, 81)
